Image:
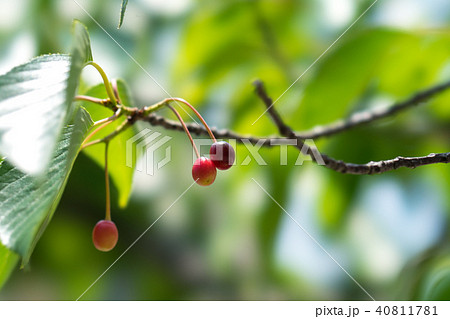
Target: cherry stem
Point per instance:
(177, 99)
(165, 102)
(185, 129)
(86, 140)
(91, 99)
(122, 127)
(106, 82)
(115, 90)
(108, 199)
(104, 122)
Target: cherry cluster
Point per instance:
(204, 171)
(221, 157)
(222, 154)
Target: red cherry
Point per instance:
(204, 172)
(222, 154)
(105, 235)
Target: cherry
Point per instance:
(222, 154)
(105, 235)
(204, 172)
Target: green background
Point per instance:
(230, 241)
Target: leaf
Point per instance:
(123, 8)
(8, 260)
(27, 203)
(34, 102)
(121, 174)
(393, 63)
(81, 53)
(81, 46)
(343, 76)
(414, 63)
(32, 111)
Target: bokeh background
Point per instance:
(230, 241)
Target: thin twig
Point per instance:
(284, 129)
(122, 127)
(103, 123)
(338, 165)
(91, 99)
(315, 133)
(386, 165)
(88, 138)
(105, 102)
(347, 168)
(198, 130)
(116, 91)
(365, 117)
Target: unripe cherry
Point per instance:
(222, 155)
(105, 235)
(203, 171)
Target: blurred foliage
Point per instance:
(8, 262)
(227, 241)
(121, 173)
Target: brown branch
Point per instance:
(338, 165)
(354, 120)
(284, 129)
(385, 166)
(321, 159)
(365, 117)
(198, 130)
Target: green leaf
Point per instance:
(391, 62)
(32, 111)
(343, 76)
(81, 53)
(123, 8)
(27, 203)
(8, 261)
(414, 63)
(81, 46)
(121, 174)
(34, 102)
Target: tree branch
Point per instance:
(354, 120)
(336, 165)
(373, 115)
(350, 168)
(384, 166)
(198, 130)
(339, 126)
